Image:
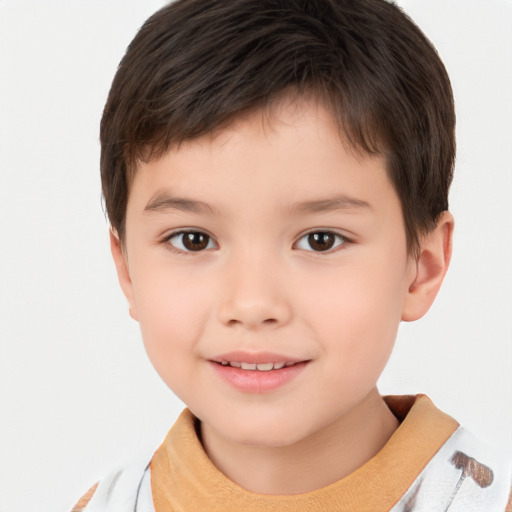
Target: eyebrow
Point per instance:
(339, 202)
(162, 202)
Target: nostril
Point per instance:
(268, 321)
(256, 312)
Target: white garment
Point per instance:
(443, 486)
(127, 490)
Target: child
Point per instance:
(276, 177)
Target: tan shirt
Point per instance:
(192, 482)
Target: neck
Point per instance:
(312, 463)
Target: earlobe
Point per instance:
(123, 272)
(431, 266)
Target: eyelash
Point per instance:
(342, 241)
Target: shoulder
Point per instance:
(465, 475)
(124, 490)
(486, 471)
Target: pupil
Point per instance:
(195, 241)
(321, 241)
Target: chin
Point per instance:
(257, 432)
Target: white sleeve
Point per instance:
(126, 490)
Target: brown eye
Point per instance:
(191, 241)
(320, 241)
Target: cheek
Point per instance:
(357, 315)
(171, 315)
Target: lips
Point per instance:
(257, 372)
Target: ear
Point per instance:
(429, 269)
(123, 272)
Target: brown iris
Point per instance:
(195, 240)
(321, 240)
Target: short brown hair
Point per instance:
(196, 64)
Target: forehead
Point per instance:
(292, 149)
(289, 106)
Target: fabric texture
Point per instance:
(429, 464)
(125, 490)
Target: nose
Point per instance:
(254, 295)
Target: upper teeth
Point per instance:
(262, 367)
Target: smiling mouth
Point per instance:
(257, 373)
(261, 367)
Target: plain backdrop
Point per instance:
(77, 393)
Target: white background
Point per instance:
(77, 393)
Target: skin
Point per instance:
(259, 285)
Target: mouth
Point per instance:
(259, 367)
(257, 373)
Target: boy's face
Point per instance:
(270, 242)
